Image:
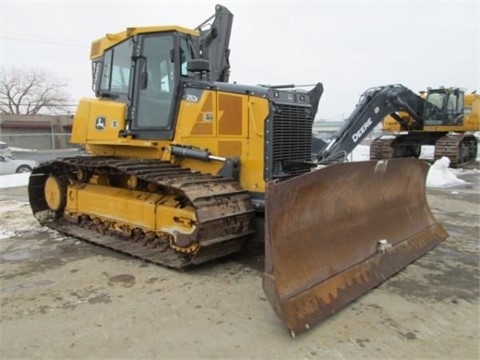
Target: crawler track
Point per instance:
(381, 149)
(461, 149)
(224, 217)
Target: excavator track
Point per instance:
(381, 148)
(461, 149)
(220, 211)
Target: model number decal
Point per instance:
(191, 98)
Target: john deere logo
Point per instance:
(100, 123)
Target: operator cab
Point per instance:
(444, 106)
(145, 67)
(144, 71)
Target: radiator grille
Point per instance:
(291, 140)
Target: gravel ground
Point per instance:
(62, 298)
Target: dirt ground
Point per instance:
(65, 299)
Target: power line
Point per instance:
(52, 41)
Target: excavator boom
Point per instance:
(347, 229)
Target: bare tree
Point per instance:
(31, 91)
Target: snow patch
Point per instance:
(10, 221)
(14, 180)
(21, 149)
(360, 153)
(427, 152)
(6, 234)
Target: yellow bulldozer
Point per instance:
(184, 167)
(445, 118)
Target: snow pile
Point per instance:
(14, 180)
(440, 175)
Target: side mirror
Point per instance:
(200, 68)
(198, 65)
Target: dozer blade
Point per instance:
(335, 233)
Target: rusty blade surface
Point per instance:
(335, 233)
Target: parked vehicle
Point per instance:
(9, 165)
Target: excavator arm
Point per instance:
(374, 105)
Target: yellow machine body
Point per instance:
(471, 119)
(228, 125)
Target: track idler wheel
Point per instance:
(55, 193)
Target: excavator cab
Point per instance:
(444, 106)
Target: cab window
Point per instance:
(186, 54)
(155, 94)
(116, 68)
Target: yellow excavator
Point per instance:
(184, 167)
(445, 118)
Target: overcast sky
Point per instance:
(350, 46)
